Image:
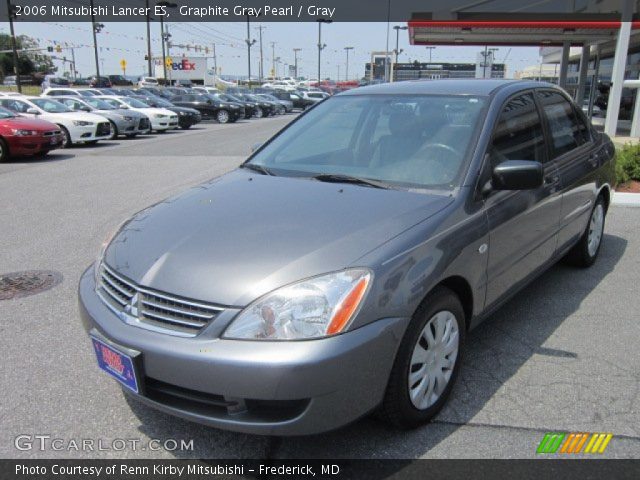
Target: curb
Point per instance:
(626, 199)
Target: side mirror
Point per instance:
(124, 107)
(517, 175)
(85, 109)
(33, 111)
(256, 146)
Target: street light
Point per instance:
(11, 11)
(295, 56)
(321, 46)
(396, 52)
(164, 36)
(96, 28)
(249, 44)
(346, 75)
(430, 50)
(148, 9)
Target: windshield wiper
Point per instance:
(340, 178)
(257, 168)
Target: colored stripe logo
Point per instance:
(580, 442)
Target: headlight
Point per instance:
(23, 133)
(160, 115)
(127, 119)
(183, 113)
(82, 123)
(313, 308)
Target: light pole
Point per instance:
(164, 36)
(321, 46)
(249, 44)
(261, 69)
(96, 27)
(273, 60)
(430, 50)
(148, 9)
(396, 51)
(295, 57)
(346, 75)
(11, 11)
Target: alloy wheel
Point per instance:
(596, 226)
(433, 359)
(223, 116)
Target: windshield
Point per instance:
(132, 102)
(161, 102)
(268, 97)
(99, 104)
(413, 141)
(4, 113)
(50, 106)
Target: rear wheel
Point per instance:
(223, 116)
(427, 362)
(585, 252)
(4, 150)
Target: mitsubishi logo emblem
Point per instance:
(132, 307)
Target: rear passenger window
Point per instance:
(518, 135)
(567, 130)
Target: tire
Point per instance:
(259, 112)
(4, 150)
(223, 116)
(114, 131)
(585, 252)
(66, 138)
(440, 307)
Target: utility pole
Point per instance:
(260, 28)
(295, 56)
(14, 48)
(73, 63)
(346, 75)
(396, 52)
(321, 46)
(430, 50)
(215, 62)
(96, 27)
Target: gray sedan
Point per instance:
(338, 270)
(123, 122)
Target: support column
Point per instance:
(617, 75)
(582, 76)
(635, 122)
(564, 65)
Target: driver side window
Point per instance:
(518, 134)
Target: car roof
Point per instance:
(450, 86)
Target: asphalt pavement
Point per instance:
(561, 356)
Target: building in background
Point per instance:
(424, 70)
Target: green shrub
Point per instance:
(628, 163)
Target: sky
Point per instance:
(119, 40)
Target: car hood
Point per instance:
(154, 110)
(30, 124)
(68, 117)
(192, 111)
(122, 112)
(239, 236)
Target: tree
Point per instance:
(30, 61)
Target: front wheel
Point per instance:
(259, 113)
(66, 138)
(4, 150)
(585, 252)
(223, 116)
(427, 362)
(114, 131)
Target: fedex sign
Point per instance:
(182, 68)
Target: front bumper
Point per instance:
(33, 144)
(87, 133)
(268, 388)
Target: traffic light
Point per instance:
(58, 48)
(49, 49)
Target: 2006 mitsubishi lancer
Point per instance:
(340, 268)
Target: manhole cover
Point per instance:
(23, 284)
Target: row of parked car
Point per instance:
(62, 117)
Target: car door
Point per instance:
(523, 223)
(572, 148)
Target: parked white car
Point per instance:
(66, 91)
(210, 90)
(161, 118)
(77, 127)
(287, 87)
(148, 82)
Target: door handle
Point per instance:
(593, 158)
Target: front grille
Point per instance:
(144, 124)
(104, 128)
(154, 310)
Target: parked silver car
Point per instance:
(123, 122)
(339, 269)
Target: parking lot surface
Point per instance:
(561, 356)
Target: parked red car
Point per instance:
(26, 136)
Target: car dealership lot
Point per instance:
(561, 356)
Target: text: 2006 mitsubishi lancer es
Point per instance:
(339, 269)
